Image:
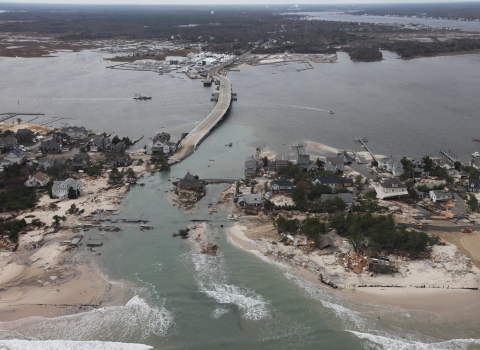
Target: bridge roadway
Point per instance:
(197, 135)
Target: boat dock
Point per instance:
(448, 156)
(9, 115)
(363, 140)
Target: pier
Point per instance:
(362, 141)
(9, 115)
(448, 156)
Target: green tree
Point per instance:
(472, 202)
(265, 161)
(56, 221)
(19, 120)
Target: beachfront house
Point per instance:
(38, 180)
(282, 186)
(274, 164)
(336, 161)
(8, 143)
(190, 183)
(60, 188)
(161, 143)
(330, 167)
(50, 146)
(117, 148)
(473, 185)
(80, 161)
(389, 188)
(440, 196)
(303, 161)
(445, 163)
(250, 200)
(347, 159)
(75, 132)
(16, 156)
(391, 165)
(98, 143)
(252, 166)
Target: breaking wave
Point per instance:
(17, 344)
(384, 343)
(212, 279)
(136, 321)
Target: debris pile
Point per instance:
(354, 261)
(210, 249)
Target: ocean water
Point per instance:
(237, 300)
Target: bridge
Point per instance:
(191, 142)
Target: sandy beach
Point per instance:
(451, 269)
(45, 277)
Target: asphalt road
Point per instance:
(202, 129)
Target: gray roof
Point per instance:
(335, 160)
(325, 242)
(441, 193)
(303, 159)
(50, 144)
(346, 197)
(391, 183)
(282, 182)
(251, 199)
(190, 181)
(17, 153)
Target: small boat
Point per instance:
(331, 112)
(475, 154)
(141, 97)
(230, 144)
(233, 217)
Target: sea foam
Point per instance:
(385, 343)
(133, 322)
(212, 279)
(17, 344)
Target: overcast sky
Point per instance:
(222, 2)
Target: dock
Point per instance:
(448, 156)
(362, 140)
(9, 115)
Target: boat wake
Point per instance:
(212, 279)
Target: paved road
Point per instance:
(197, 135)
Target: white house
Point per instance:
(438, 196)
(60, 188)
(165, 146)
(391, 165)
(15, 156)
(445, 163)
(250, 199)
(38, 180)
(389, 188)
